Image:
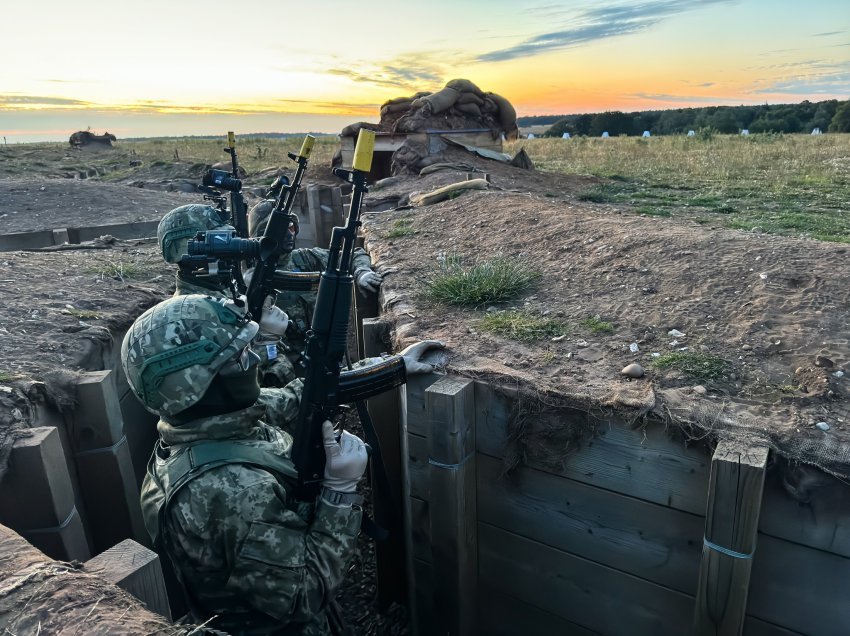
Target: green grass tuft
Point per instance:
(522, 326)
(492, 281)
(83, 314)
(401, 227)
(697, 365)
(118, 269)
(597, 325)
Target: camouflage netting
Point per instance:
(460, 105)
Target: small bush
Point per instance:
(493, 281)
(698, 365)
(521, 325)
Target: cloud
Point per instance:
(827, 83)
(18, 101)
(406, 71)
(696, 99)
(597, 24)
(827, 33)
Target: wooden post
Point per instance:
(731, 524)
(388, 412)
(450, 410)
(135, 569)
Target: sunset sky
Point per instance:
(175, 67)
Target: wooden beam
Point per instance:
(135, 569)
(387, 411)
(731, 524)
(450, 410)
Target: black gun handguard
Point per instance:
(368, 381)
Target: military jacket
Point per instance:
(242, 550)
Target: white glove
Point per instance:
(346, 460)
(414, 352)
(367, 280)
(273, 320)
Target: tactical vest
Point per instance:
(170, 470)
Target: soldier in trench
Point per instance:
(216, 497)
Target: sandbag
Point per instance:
(507, 113)
(442, 100)
(464, 86)
(469, 109)
(489, 106)
(469, 98)
(352, 130)
(395, 108)
(419, 199)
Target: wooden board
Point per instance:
(800, 588)
(416, 385)
(417, 466)
(823, 522)
(647, 540)
(645, 464)
(501, 614)
(587, 593)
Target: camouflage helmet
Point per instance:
(258, 218)
(178, 226)
(173, 351)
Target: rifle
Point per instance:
(325, 386)
(263, 281)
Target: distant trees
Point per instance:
(841, 119)
(829, 115)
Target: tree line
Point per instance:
(829, 116)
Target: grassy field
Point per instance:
(795, 185)
(177, 157)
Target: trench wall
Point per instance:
(607, 542)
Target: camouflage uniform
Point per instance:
(298, 305)
(242, 549)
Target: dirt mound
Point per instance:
(770, 311)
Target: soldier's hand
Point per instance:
(346, 460)
(413, 356)
(368, 281)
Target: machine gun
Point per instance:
(326, 387)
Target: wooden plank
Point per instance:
(504, 615)
(822, 522)
(645, 463)
(800, 588)
(731, 524)
(387, 412)
(420, 528)
(756, 627)
(454, 551)
(644, 539)
(314, 213)
(591, 595)
(424, 619)
(134, 568)
(416, 385)
(420, 480)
